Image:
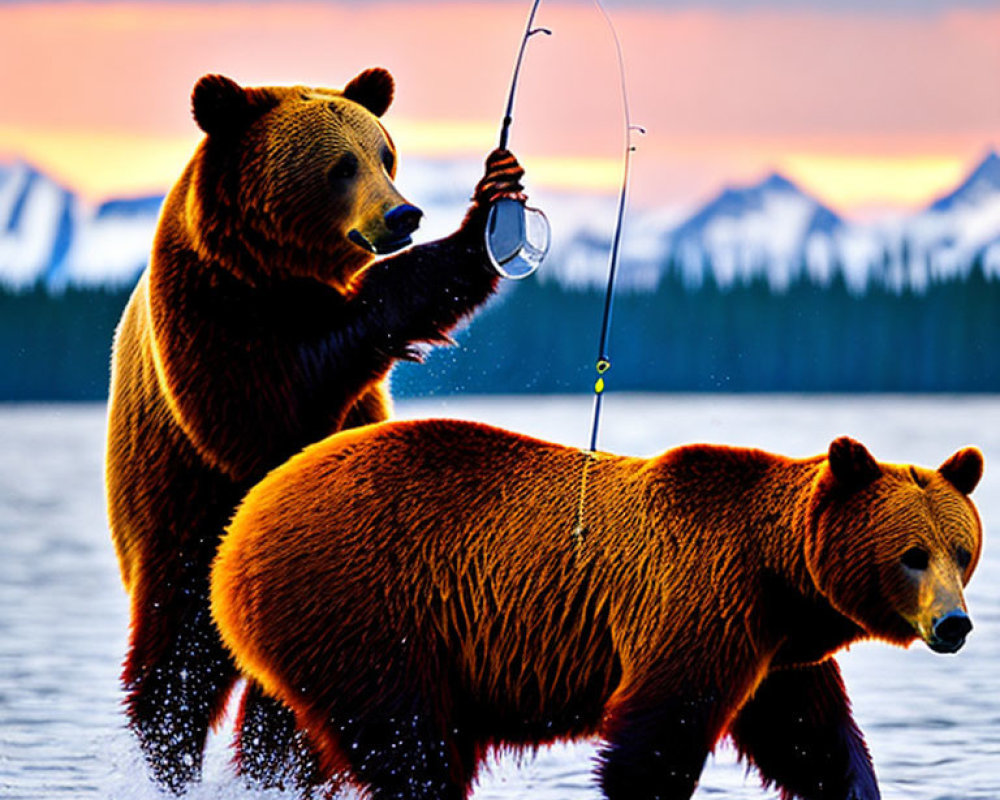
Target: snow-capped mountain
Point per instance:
(960, 226)
(49, 236)
(774, 230)
(37, 224)
(113, 244)
(981, 185)
(771, 229)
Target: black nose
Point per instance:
(953, 627)
(403, 219)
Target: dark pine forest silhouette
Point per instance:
(541, 337)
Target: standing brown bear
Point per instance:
(262, 324)
(416, 593)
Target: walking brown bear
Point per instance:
(415, 592)
(262, 324)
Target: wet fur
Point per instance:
(414, 591)
(256, 330)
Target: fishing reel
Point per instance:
(517, 238)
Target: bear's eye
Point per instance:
(346, 167)
(388, 160)
(963, 557)
(916, 558)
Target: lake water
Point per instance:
(932, 721)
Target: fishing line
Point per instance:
(603, 363)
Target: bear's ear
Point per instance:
(964, 469)
(220, 105)
(372, 89)
(851, 463)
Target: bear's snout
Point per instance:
(389, 234)
(949, 632)
(403, 220)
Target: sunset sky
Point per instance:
(870, 105)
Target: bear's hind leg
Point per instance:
(799, 733)
(270, 751)
(175, 692)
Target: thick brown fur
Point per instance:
(262, 324)
(416, 593)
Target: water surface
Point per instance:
(932, 721)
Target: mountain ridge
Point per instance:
(984, 178)
(769, 229)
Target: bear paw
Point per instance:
(502, 179)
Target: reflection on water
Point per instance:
(933, 722)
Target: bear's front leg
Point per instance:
(419, 294)
(798, 731)
(656, 749)
(403, 749)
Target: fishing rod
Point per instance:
(517, 236)
(529, 31)
(603, 363)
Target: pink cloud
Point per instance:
(721, 93)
